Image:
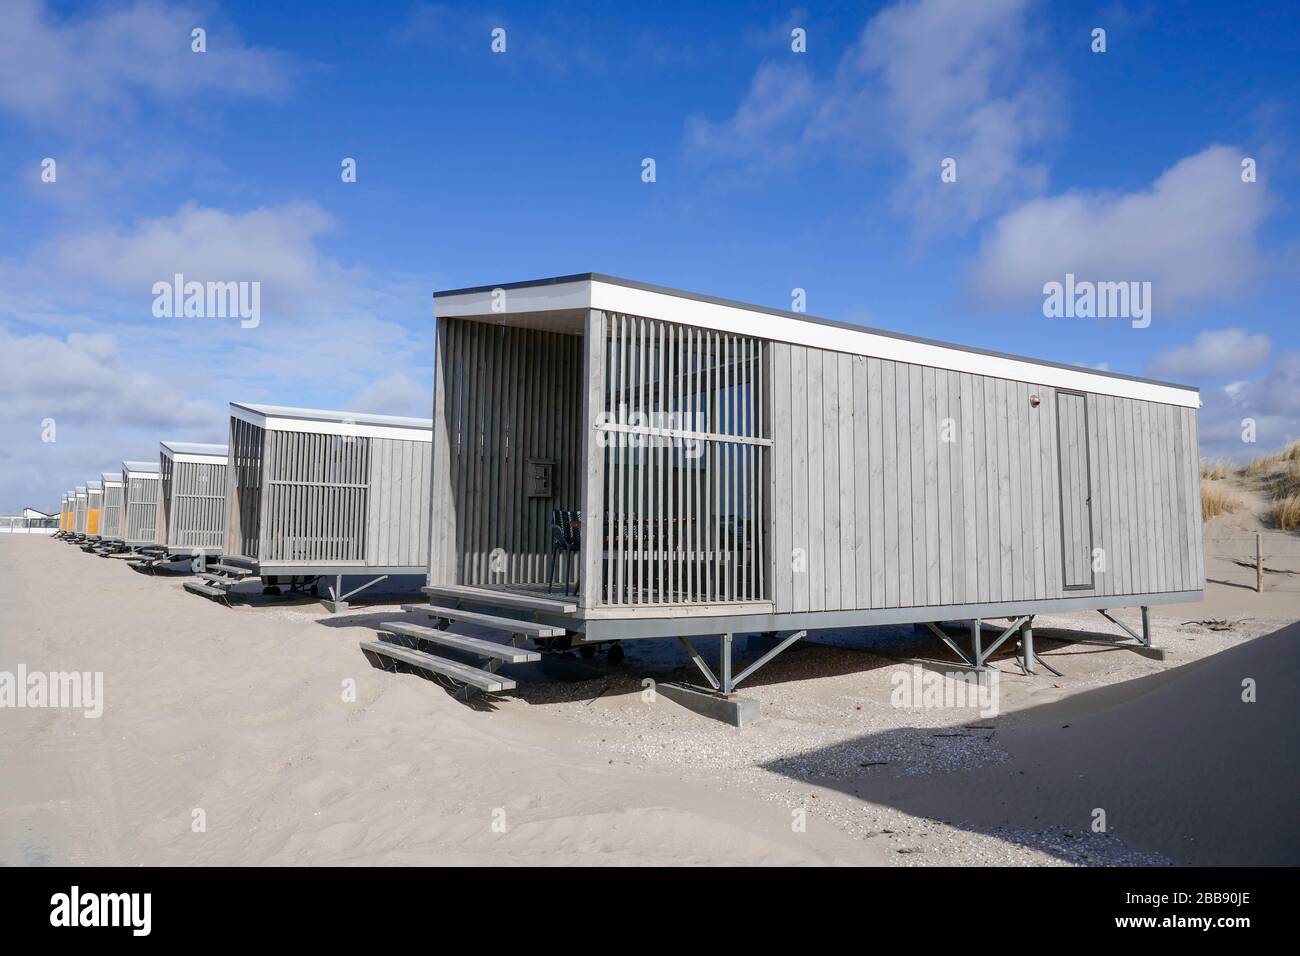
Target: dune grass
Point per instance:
(1285, 483)
(1217, 501)
(1286, 512)
(1216, 468)
(1266, 466)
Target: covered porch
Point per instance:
(639, 446)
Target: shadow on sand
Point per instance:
(1179, 763)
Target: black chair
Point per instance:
(566, 539)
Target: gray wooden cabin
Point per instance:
(79, 511)
(744, 469)
(314, 493)
(94, 508)
(191, 498)
(140, 481)
(110, 517)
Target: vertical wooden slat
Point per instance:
(593, 478)
(943, 502)
(817, 572)
(829, 430)
(892, 481)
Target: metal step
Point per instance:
(462, 673)
(474, 645)
(205, 590)
(231, 570)
(496, 598)
(510, 624)
(218, 579)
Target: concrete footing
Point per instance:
(335, 607)
(736, 711)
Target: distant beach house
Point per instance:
(29, 521)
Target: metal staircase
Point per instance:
(218, 580)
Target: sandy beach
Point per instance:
(241, 719)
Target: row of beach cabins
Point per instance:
(307, 495)
(609, 461)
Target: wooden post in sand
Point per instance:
(1259, 562)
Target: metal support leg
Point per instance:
(699, 662)
(976, 642)
(358, 590)
(949, 641)
(1012, 629)
(797, 635)
(1027, 645)
(1146, 625)
(727, 685)
(1142, 638)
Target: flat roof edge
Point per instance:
(808, 318)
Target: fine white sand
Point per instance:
(240, 713)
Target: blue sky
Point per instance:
(775, 170)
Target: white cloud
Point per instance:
(1271, 401)
(82, 382)
(124, 379)
(83, 68)
(275, 246)
(103, 411)
(395, 394)
(769, 126)
(929, 79)
(956, 84)
(1192, 234)
(1213, 354)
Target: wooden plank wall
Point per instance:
(898, 485)
(397, 523)
(247, 447)
(1072, 427)
(79, 514)
(1146, 503)
(196, 504)
(502, 396)
(165, 468)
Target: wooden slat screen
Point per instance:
(244, 488)
(686, 443)
(140, 507)
(316, 490)
(111, 520)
